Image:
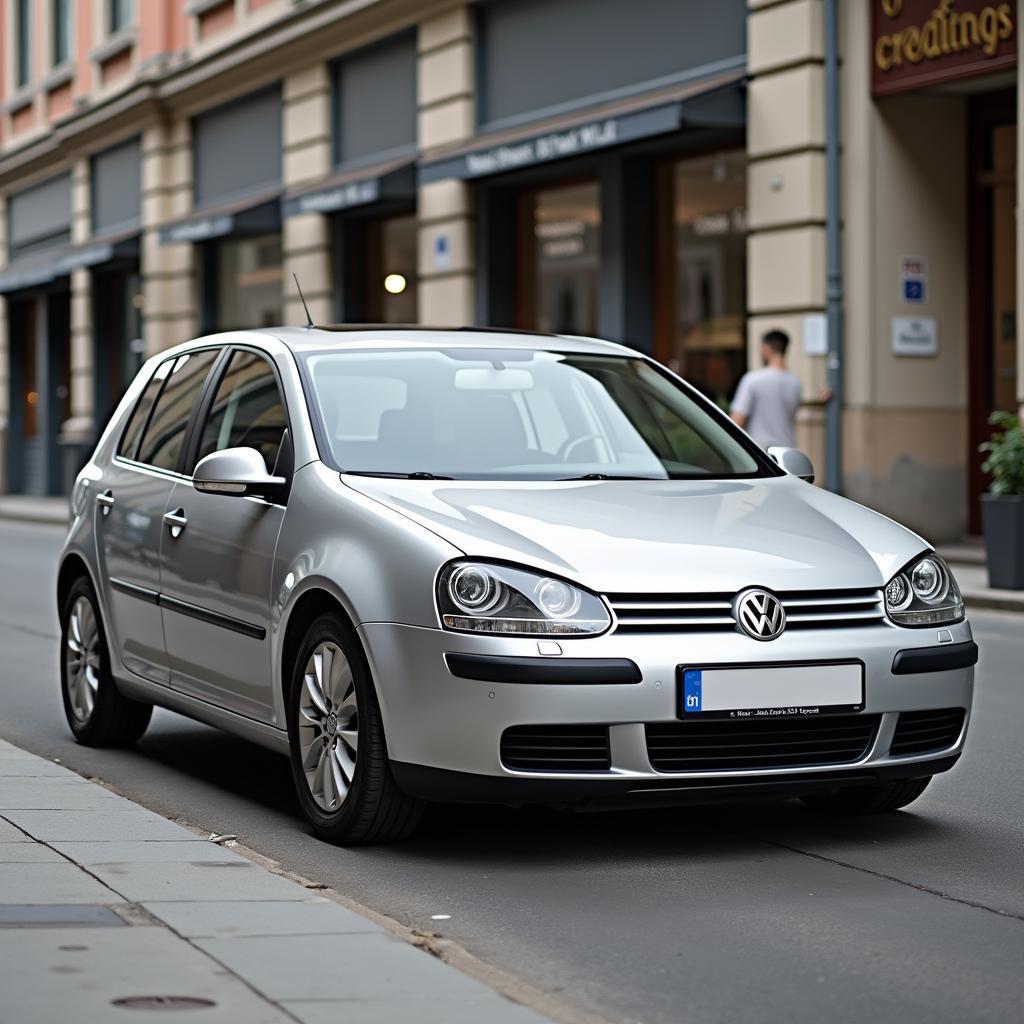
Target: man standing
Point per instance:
(767, 400)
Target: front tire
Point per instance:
(97, 712)
(889, 796)
(336, 738)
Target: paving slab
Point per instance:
(127, 821)
(33, 768)
(148, 851)
(231, 919)
(236, 879)
(73, 974)
(10, 834)
(491, 1009)
(57, 794)
(51, 883)
(356, 967)
(28, 853)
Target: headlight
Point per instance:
(474, 597)
(924, 594)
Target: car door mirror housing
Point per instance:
(793, 461)
(237, 471)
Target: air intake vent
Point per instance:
(556, 748)
(716, 745)
(805, 609)
(920, 732)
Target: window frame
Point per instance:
(24, 39)
(113, 9)
(61, 14)
(190, 423)
(190, 449)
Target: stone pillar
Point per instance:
(786, 191)
(168, 272)
(306, 238)
(446, 259)
(78, 434)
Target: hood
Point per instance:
(654, 536)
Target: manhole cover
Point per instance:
(163, 1003)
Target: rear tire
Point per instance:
(97, 712)
(889, 796)
(338, 752)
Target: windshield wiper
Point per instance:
(420, 475)
(610, 476)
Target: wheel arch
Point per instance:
(72, 568)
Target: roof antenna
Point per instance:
(309, 319)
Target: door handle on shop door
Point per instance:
(105, 500)
(176, 521)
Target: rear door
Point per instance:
(217, 568)
(130, 504)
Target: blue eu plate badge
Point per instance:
(691, 689)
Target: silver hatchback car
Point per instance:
(468, 565)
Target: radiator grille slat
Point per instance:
(805, 609)
(731, 745)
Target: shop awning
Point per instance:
(390, 182)
(716, 100)
(44, 267)
(253, 215)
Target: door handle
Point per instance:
(105, 500)
(176, 521)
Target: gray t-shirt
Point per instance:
(769, 398)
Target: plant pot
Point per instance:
(1003, 519)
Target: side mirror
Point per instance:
(238, 471)
(793, 461)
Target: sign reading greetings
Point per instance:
(916, 43)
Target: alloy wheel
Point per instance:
(328, 726)
(82, 659)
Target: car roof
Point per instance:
(335, 338)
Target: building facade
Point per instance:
(645, 172)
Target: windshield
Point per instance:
(496, 414)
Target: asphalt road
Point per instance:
(760, 913)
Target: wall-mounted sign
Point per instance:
(915, 336)
(197, 230)
(815, 334)
(917, 43)
(913, 278)
(442, 252)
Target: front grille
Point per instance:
(715, 745)
(805, 609)
(919, 732)
(556, 748)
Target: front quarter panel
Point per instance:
(378, 564)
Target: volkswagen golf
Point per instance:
(491, 566)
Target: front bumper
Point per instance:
(444, 731)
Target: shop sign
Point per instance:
(915, 336)
(913, 276)
(340, 197)
(917, 43)
(197, 230)
(555, 145)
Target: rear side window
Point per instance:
(164, 433)
(129, 445)
(247, 410)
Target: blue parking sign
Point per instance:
(913, 290)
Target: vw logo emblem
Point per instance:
(760, 614)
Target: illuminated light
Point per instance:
(395, 284)
(32, 397)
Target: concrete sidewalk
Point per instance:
(108, 911)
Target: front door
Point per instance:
(993, 299)
(217, 566)
(130, 503)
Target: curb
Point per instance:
(40, 517)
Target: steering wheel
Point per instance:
(570, 446)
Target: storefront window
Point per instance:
(391, 277)
(561, 259)
(249, 282)
(706, 340)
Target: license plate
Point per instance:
(771, 691)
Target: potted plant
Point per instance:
(1002, 509)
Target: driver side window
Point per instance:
(247, 411)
